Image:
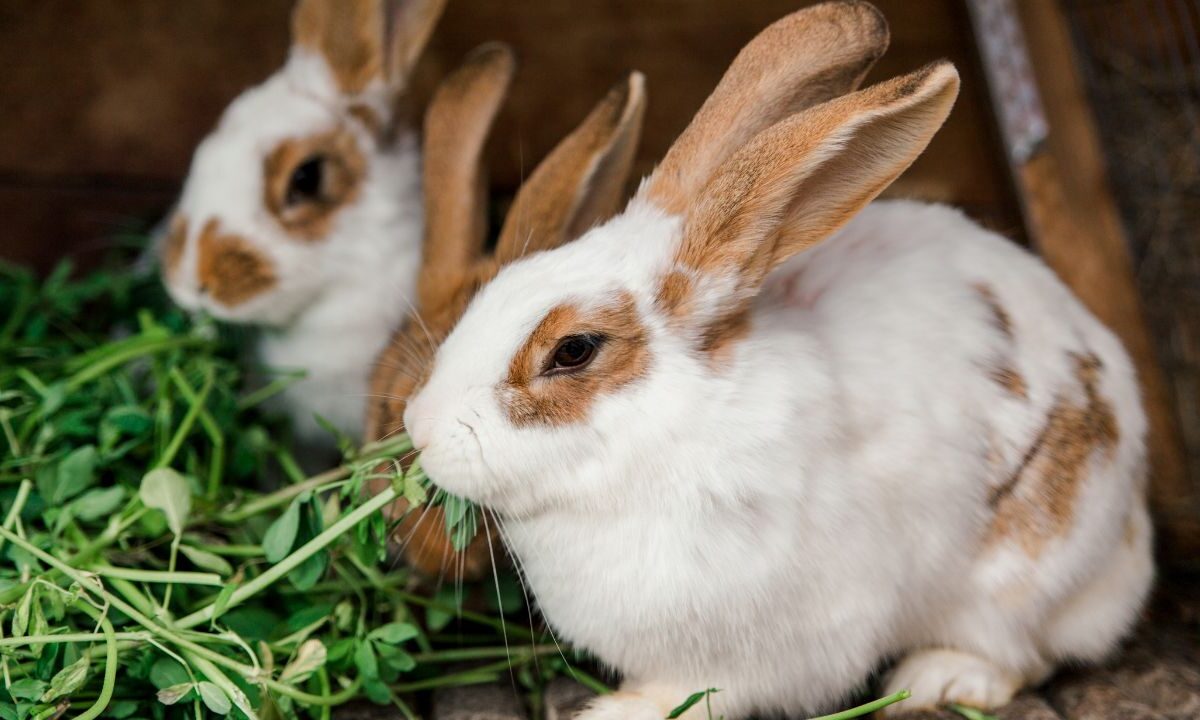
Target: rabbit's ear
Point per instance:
(813, 55)
(581, 181)
(367, 44)
(456, 130)
(799, 181)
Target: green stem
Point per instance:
(219, 679)
(485, 653)
(239, 551)
(371, 451)
(68, 638)
(109, 684)
(18, 505)
(867, 708)
(282, 496)
(270, 390)
(251, 674)
(133, 352)
(466, 614)
(195, 405)
(181, 577)
(474, 676)
(292, 561)
(591, 683)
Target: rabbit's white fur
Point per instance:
(779, 523)
(336, 299)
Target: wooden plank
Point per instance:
(1075, 224)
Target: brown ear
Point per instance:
(799, 181)
(366, 40)
(581, 181)
(456, 129)
(813, 55)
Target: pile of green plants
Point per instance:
(162, 554)
(141, 539)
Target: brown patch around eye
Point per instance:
(1037, 504)
(229, 268)
(342, 169)
(172, 248)
(564, 399)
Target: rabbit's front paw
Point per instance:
(939, 677)
(622, 705)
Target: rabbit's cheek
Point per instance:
(230, 270)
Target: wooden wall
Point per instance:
(105, 99)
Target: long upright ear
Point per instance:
(813, 55)
(456, 129)
(799, 181)
(581, 181)
(368, 44)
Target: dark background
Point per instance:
(102, 101)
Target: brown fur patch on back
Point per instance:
(229, 268)
(623, 357)
(349, 34)
(1038, 502)
(1000, 316)
(343, 170)
(173, 245)
(1011, 380)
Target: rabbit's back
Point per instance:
(994, 392)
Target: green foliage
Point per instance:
(150, 508)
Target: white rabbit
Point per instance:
(728, 456)
(302, 210)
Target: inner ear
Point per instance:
(307, 181)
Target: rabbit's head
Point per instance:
(601, 352)
(579, 184)
(301, 185)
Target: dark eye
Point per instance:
(574, 352)
(305, 183)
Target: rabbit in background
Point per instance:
(301, 213)
(579, 184)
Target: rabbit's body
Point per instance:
(855, 517)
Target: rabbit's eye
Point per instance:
(574, 352)
(305, 183)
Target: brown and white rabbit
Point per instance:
(302, 210)
(758, 434)
(579, 184)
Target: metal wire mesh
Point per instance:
(1141, 63)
